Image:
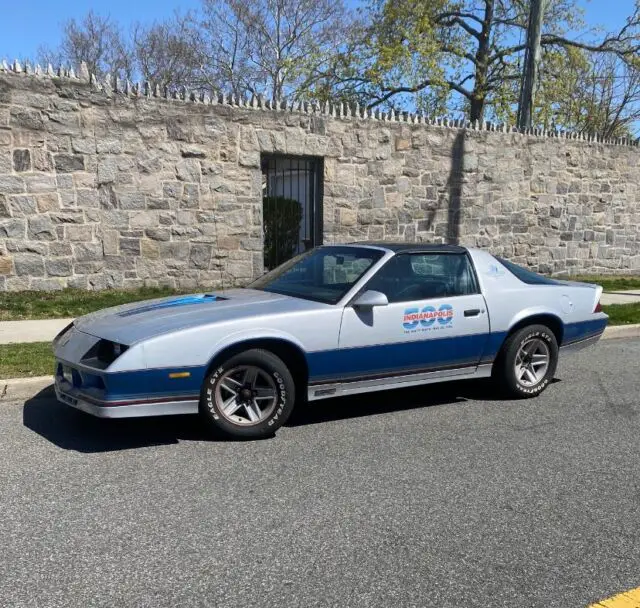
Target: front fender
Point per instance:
(253, 334)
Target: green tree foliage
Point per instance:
(438, 56)
(466, 55)
(590, 93)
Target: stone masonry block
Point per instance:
(11, 184)
(107, 170)
(22, 205)
(48, 202)
(29, 265)
(87, 252)
(42, 228)
(40, 182)
(59, 267)
(68, 163)
(189, 170)
(12, 228)
(6, 265)
(78, 232)
(21, 161)
(5, 207)
(130, 246)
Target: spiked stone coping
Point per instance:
(109, 184)
(340, 110)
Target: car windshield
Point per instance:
(323, 275)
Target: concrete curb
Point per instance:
(622, 331)
(15, 389)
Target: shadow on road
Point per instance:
(73, 430)
(398, 400)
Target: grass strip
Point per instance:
(19, 305)
(623, 314)
(26, 360)
(610, 283)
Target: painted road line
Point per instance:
(628, 599)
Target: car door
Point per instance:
(436, 320)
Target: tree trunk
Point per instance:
(479, 95)
(476, 109)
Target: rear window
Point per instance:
(525, 275)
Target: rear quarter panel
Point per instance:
(510, 301)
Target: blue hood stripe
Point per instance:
(175, 302)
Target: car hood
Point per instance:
(130, 323)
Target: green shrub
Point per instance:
(282, 217)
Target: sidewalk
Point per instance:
(44, 331)
(31, 331)
(620, 297)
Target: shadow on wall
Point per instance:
(454, 189)
(451, 195)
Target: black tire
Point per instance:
(504, 369)
(274, 369)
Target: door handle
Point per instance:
(473, 312)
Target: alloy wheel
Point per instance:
(246, 395)
(532, 362)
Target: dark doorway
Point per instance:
(292, 206)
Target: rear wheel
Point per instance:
(249, 395)
(527, 362)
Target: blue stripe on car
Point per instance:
(398, 357)
(182, 301)
(122, 385)
(147, 383)
(330, 365)
(574, 332)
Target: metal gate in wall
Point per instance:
(292, 206)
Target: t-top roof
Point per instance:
(408, 246)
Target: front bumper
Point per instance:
(123, 409)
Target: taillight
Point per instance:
(598, 307)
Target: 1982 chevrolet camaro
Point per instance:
(336, 320)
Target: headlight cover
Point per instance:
(103, 353)
(63, 332)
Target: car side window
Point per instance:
(422, 276)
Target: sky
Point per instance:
(28, 24)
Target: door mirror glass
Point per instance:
(371, 298)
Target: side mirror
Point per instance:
(371, 298)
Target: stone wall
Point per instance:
(101, 188)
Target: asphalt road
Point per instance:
(440, 496)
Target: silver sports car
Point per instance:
(336, 320)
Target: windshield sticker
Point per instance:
(428, 318)
(495, 271)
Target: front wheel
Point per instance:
(528, 361)
(249, 395)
